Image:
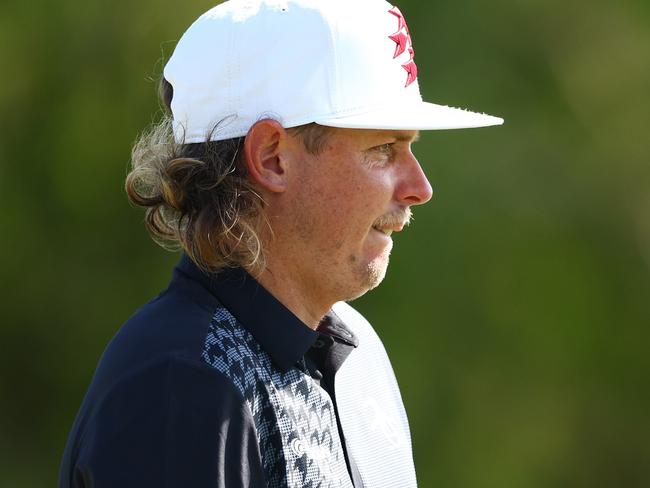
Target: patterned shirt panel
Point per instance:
(294, 417)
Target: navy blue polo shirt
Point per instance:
(215, 383)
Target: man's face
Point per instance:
(344, 202)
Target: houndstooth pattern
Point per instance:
(294, 417)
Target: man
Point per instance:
(285, 168)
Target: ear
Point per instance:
(263, 153)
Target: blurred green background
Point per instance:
(516, 307)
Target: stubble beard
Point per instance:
(368, 276)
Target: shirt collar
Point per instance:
(280, 333)
(333, 326)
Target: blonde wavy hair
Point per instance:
(198, 197)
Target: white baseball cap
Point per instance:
(339, 63)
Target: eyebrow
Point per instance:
(401, 136)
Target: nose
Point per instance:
(414, 187)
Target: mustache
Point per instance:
(398, 218)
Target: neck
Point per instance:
(299, 298)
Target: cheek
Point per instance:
(343, 202)
(352, 207)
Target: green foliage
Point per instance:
(516, 306)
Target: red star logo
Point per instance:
(402, 21)
(412, 70)
(402, 39)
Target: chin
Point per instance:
(369, 277)
(376, 272)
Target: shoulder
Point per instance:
(174, 324)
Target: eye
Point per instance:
(385, 148)
(381, 155)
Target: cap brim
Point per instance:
(420, 116)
